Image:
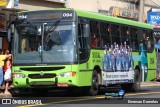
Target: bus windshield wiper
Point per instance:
(53, 27)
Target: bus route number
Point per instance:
(151, 60)
(67, 15)
(22, 17)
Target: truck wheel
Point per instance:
(95, 85)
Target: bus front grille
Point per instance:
(38, 76)
(38, 69)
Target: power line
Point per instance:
(99, 4)
(154, 3)
(151, 3)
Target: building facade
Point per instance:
(6, 15)
(101, 6)
(105, 5)
(40, 4)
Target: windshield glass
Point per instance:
(44, 43)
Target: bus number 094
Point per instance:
(67, 15)
(22, 17)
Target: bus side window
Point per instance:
(144, 39)
(95, 38)
(105, 34)
(115, 33)
(94, 27)
(79, 36)
(125, 35)
(134, 39)
(83, 37)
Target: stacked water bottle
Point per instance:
(117, 58)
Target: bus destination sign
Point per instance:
(46, 15)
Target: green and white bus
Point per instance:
(66, 48)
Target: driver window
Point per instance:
(83, 38)
(24, 38)
(28, 39)
(25, 45)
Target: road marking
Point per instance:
(132, 94)
(97, 97)
(150, 84)
(142, 93)
(157, 85)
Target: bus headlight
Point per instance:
(19, 76)
(68, 74)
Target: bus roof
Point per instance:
(103, 17)
(112, 19)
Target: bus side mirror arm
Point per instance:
(10, 30)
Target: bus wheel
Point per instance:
(135, 87)
(94, 86)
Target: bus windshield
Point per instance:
(44, 42)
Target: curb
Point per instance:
(5, 96)
(150, 84)
(2, 95)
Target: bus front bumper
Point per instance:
(41, 83)
(44, 83)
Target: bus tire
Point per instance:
(94, 85)
(135, 87)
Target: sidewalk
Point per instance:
(150, 84)
(143, 84)
(2, 95)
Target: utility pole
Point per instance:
(10, 4)
(141, 10)
(67, 4)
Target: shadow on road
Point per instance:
(65, 93)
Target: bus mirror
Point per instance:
(10, 30)
(84, 21)
(39, 30)
(8, 35)
(86, 30)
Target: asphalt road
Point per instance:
(79, 94)
(77, 99)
